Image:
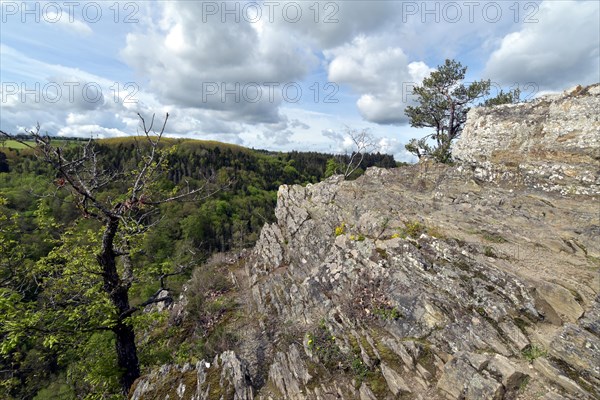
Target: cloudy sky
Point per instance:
(277, 75)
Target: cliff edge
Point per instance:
(473, 281)
(551, 143)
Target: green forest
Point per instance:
(57, 318)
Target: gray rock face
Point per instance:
(580, 349)
(225, 378)
(402, 302)
(423, 282)
(552, 143)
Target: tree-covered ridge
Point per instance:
(255, 175)
(49, 251)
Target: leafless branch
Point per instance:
(364, 143)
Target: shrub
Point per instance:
(340, 230)
(322, 343)
(210, 310)
(387, 312)
(494, 237)
(489, 252)
(358, 238)
(414, 229)
(533, 351)
(359, 369)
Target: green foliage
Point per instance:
(436, 232)
(360, 370)
(523, 384)
(18, 290)
(13, 144)
(510, 97)
(69, 301)
(324, 346)
(358, 238)
(340, 230)
(332, 168)
(95, 371)
(4, 167)
(494, 237)
(204, 331)
(533, 351)
(412, 229)
(387, 313)
(489, 252)
(322, 343)
(57, 390)
(290, 173)
(51, 296)
(382, 253)
(11, 253)
(442, 104)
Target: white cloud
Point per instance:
(93, 130)
(231, 67)
(328, 24)
(381, 73)
(333, 135)
(278, 138)
(372, 49)
(63, 100)
(295, 123)
(558, 51)
(67, 23)
(342, 143)
(394, 146)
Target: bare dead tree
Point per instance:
(363, 143)
(85, 175)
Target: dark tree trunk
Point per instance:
(126, 355)
(118, 292)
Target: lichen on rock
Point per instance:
(472, 281)
(551, 143)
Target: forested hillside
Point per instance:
(37, 217)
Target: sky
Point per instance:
(277, 75)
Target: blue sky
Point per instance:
(81, 68)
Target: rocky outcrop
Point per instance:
(226, 377)
(552, 143)
(423, 282)
(476, 376)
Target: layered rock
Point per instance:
(226, 377)
(552, 143)
(423, 282)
